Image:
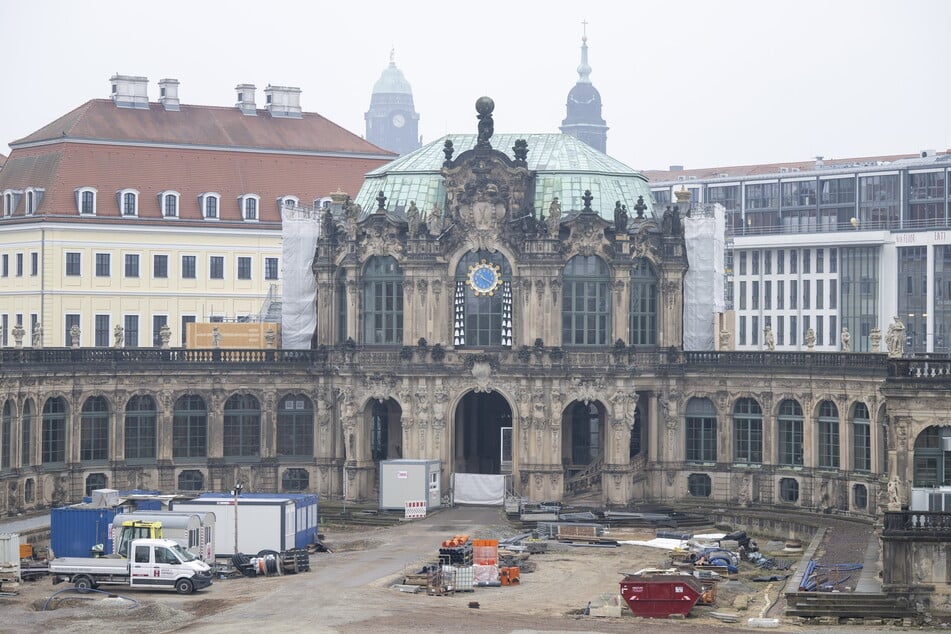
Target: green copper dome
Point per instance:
(564, 167)
(392, 81)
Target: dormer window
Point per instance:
(33, 197)
(168, 201)
(86, 200)
(288, 201)
(323, 203)
(249, 206)
(210, 202)
(128, 202)
(10, 199)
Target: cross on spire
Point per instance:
(584, 28)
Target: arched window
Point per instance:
(586, 302)
(26, 434)
(932, 458)
(861, 438)
(341, 297)
(382, 301)
(190, 428)
(6, 431)
(128, 202)
(643, 304)
(249, 206)
(482, 303)
(209, 204)
(54, 430)
(168, 201)
(295, 480)
(140, 428)
(379, 431)
(94, 430)
(585, 433)
(790, 440)
(636, 431)
(295, 426)
(700, 431)
(828, 435)
(859, 496)
(242, 427)
(191, 480)
(86, 200)
(94, 482)
(747, 432)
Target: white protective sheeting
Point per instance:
(300, 229)
(704, 235)
(478, 488)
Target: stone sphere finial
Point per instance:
(484, 105)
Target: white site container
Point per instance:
(9, 558)
(408, 480)
(263, 523)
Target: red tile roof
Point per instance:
(197, 150)
(214, 126)
(63, 167)
(740, 171)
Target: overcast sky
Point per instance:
(696, 83)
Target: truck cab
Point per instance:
(132, 530)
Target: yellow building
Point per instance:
(136, 214)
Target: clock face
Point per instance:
(484, 278)
(399, 120)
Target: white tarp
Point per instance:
(478, 488)
(704, 235)
(299, 231)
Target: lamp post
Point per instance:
(236, 492)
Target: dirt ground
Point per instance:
(351, 590)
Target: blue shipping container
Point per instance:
(74, 530)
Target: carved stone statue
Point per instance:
(846, 340)
(435, 222)
(18, 333)
(894, 494)
(620, 217)
(485, 106)
(768, 340)
(724, 339)
(412, 219)
(74, 334)
(38, 335)
(875, 339)
(215, 337)
(118, 334)
(270, 337)
(895, 338)
(165, 333)
(810, 339)
(554, 217)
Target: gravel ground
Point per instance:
(350, 590)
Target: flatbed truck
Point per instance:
(154, 563)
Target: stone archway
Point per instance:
(480, 425)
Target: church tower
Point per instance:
(392, 122)
(583, 120)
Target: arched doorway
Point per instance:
(386, 433)
(483, 434)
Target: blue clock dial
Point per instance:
(484, 278)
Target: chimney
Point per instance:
(675, 168)
(819, 162)
(129, 91)
(283, 101)
(246, 99)
(168, 94)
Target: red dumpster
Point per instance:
(660, 593)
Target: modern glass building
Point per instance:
(831, 245)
